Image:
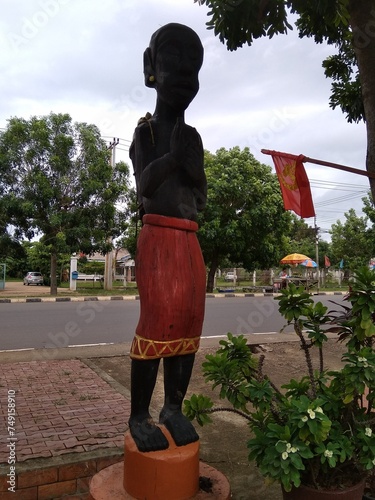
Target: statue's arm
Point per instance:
(150, 173)
(155, 173)
(194, 166)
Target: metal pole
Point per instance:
(317, 251)
(73, 268)
(108, 265)
(307, 159)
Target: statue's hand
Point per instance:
(194, 148)
(178, 141)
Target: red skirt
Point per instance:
(171, 279)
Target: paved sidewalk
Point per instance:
(61, 407)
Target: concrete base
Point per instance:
(108, 484)
(171, 474)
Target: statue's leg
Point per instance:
(177, 373)
(146, 434)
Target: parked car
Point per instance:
(230, 276)
(33, 278)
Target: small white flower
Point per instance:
(284, 455)
(328, 453)
(363, 360)
(318, 410)
(290, 448)
(304, 419)
(311, 413)
(368, 431)
(365, 364)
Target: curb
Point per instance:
(136, 297)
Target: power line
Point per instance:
(333, 201)
(334, 183)
(339, 188)
(119, 138)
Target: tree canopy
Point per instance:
(244, 220)
(346, 24)
(352, 241)
(56, 181)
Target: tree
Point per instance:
(13, 255)
(56, 181)
(369, 210)
(347, 24)
(133, 227)
(39, 259)
(302, 239)
(352, 241)
(244, 220)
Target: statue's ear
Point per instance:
(148, 69)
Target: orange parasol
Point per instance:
(294, 258)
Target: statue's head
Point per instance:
(172, 63)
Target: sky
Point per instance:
(85, 58)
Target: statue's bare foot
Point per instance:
(147, 435)
(180, 427)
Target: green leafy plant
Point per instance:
(317, 430)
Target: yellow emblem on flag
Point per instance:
(288, 176)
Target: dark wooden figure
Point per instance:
(167, 156)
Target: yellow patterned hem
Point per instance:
(152, 349)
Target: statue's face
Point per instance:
(178, 60)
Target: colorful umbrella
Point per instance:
(294, 258)
(309, 263)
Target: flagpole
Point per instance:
(307, 159)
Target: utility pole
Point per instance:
(108, 265)
(317, 251)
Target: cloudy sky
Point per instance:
(84, 58)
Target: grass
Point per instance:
(84, 288)
(96, 288)
(329, 286)
(90, 288)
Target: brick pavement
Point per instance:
(61, 407)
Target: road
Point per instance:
(63, 324)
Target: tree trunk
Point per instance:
(362, 21)
(211, 274)
(53, 290)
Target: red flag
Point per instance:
(294, 183)
(327, 262)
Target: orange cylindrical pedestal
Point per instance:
(171, 474)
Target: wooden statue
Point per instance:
(167, 156)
